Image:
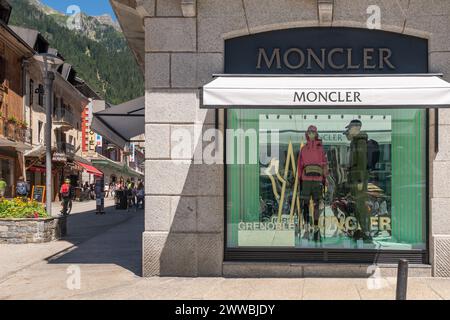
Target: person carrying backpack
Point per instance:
(22, 188)
(65, 195)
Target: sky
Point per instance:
(90, 7)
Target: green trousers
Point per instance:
(361, 210)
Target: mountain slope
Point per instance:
(98, 51)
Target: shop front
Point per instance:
(63, 167)
(11, 166)
(331, 135)
(114, 171)
(326, 167)
(269, 205)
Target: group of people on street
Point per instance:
(130, 193)
(22, 188)
(133, 192)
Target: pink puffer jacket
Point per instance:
(313, 153)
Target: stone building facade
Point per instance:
(14, 128)
(180, 44)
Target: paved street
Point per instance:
(106, 250)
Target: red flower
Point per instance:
(36, 215)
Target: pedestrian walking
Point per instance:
(22, 188)
(134, 195)
(92, 191)
(129, 194)
(140, 195)
(121, 185)
(112, 187)
(3, 186)
(100, 196)
(107, 190)
(66, 193)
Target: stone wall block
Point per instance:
(157, 70)
(170, 34)
(157, 213)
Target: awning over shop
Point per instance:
(39, 169)
(19, 146)
(124, 169)
(121, 123)
(133, 172)
(350, 91)
(90, 169)
(36, 152)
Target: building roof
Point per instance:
(86, 90)
(68, 72)
(15, 40)
(32, 37)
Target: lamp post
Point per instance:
(50, 64)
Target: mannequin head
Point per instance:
(311, 133)
(353, 129)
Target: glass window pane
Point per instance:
(362, 180)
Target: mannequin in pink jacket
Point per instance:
(313, 172)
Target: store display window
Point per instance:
(327, 178)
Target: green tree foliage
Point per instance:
(98, 52)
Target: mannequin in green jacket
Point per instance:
(358, 176)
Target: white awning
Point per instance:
(350, 91)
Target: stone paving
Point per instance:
(105, 251)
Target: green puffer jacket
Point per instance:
(358, 160)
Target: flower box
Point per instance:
(30, 230)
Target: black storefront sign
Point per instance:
(326, 51)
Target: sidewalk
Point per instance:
(103, 255)
(17, 257)
(80, 207)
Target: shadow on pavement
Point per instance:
(113, 238)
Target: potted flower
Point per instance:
(22, 124)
